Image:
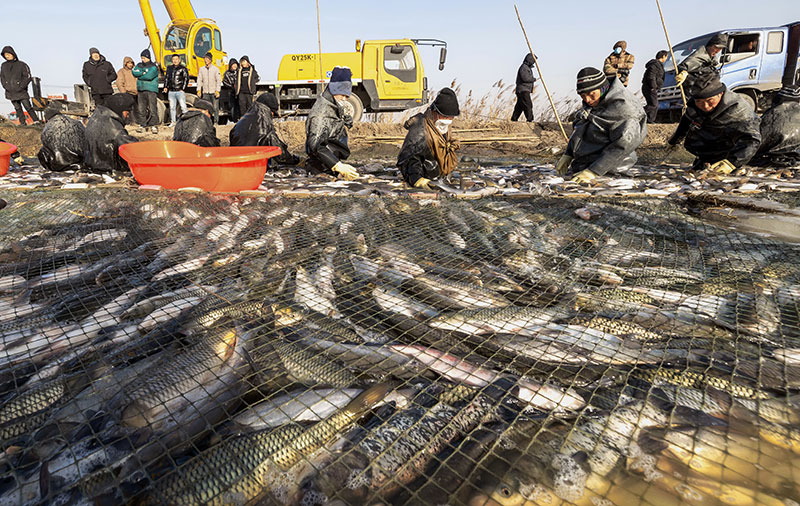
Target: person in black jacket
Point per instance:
(652, 81)
(524, 89)
(105, 133)
(15, 77)
(195, 126)
(63, 142)
(175, 83)
(245, 85)
(719, 128)
(702, 66)
(257, 129)
(780, 131)
(327, 124)
(227, 95)
(98, 74)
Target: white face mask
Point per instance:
(443, 125)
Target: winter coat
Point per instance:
(99, 75)
(197, 128)
(209, 80)
(229, 79)
(780, 136)
(105, 133)
(701, 68)
(729, 132)
(619, 65)
(605, 137)
(326, 132)
(63, 144)
(525, 77)
(653, 75)
(146, 75)
(177, 78)
(126, 82)
(15, 76)
(246, 79)
(257, 129)
(416, 159)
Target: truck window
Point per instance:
(744, 43)
(774, 42)
(217, 40)
(202, 42)
(683, 50)
(176, 39)
(399, 61)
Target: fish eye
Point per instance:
(505, 491)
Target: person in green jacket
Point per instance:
(146, 74)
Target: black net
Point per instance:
(174, 348)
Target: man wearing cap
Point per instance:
(719, 128)
(524, 89)
(619, 63)
(63, 142)
(429, 150)
(98, 74)
(195, 126)
(327, 124)
(702, 65)
(780, 131)
(245, 85)
(257, 129)
(209, 84)
(105, 133)
(607, 131)
(146, 74)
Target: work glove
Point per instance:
(345, 171)
(722, 167)
(681, 77)
(563, 164)
(423, 183)
(216, 94)
(200, 93)
(19, 160)
(584, 176)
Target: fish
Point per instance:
(511, 319)
(307, 367)
(702, 381)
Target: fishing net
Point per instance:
(179, 348)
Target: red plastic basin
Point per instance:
(174, 165)
(6, 150)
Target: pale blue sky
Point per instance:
(485, 42)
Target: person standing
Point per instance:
(652, 81)
(98, 74)
(619, 63)
(209, 84)
(245, 84)
(146, 74)
(15, 76)
(175, 83)
(126, 83)
(524, 90)
(702, 65)
(227, 95)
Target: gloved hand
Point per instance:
(563, 164)
(681, 77)
(19, 160)
(200, 93)
(345, 171)
(722, 167)
(584, 176)
(423, 183)
(216, 94)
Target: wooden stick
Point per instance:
(669, 44)
(319, 40)
(539, 69)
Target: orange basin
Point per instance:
(6, 150)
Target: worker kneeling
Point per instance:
(257, 129)
(780, 131)
(429, 151)
(607, 131)
(195, 126)
(327, 124)
(719, 128)
(105, 133)
(63, 142)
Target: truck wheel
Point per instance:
(751, 103)
(358, 107)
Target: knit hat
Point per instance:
(209, 55)
(269, 100)
(341, 81)
(709, 89)
(446, 103)
(590, 79)
(719, 40)
(204, 105)
(51, 111)
(789, 93)
(146, 54)
(93, 50)
(120, 102)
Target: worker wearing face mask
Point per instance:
(429, 150)
(619, 63)
(327, 124)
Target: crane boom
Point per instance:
(180, 9)
(151, 29)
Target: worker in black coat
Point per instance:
(257, 129)
(702, 66)
(245, 84)
(719, 128)
(195, 126)
(652, 81)
(105, 133)
(15, 76)
(524, 89)
(780, 131)
(98, 74)
(63, 142)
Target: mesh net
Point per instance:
(182, 348)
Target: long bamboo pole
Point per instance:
(549, 97)
(319, 41)
(669, 44)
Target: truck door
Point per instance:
(742, 59)
(398, 74)
(773, 62)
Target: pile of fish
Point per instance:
(181, 348)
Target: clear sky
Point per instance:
(484, 38)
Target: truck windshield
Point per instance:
(683, 50)
(175, 39)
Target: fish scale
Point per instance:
(692, 379)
